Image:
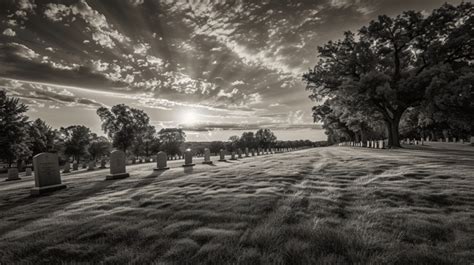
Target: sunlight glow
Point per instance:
(189, 117)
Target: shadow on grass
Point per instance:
(42, 211)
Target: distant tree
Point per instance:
(171, 140)
(76, 140)
(123, 124)
(41, 136)
(234, 142)
(13, 129)
(216, 146)
(265, 138)
(98, 146)
(247, 140)
(149, 141)
(392, 63)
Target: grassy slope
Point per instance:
(335, 205)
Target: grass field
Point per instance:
(334, 205)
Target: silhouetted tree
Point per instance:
(393, 63)
(13, 129)
(75, 139)
(265, 138)
(123, 124)
(171, 140)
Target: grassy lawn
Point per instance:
(335, 205)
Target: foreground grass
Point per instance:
(319, 206)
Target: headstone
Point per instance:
(84, 164)
(67, 167)
(28, 171)
(117, 165)
(222, 155)
(239, 152)
(246, 152)
(188, 159)
(232, 156)
(258, 151)
(75, 165)
(13, 174)
(381, 144)
(161, 161)
(91, 165)
(472, 140)
(207, 156)
(454, 139)
(47, 175)
(103, 163)
(253, 152)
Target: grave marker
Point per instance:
(47, 175)
(188, 159)
(91, 165)
(117, 166)
(13, 174)
(161, 161)
(103, 163)
(207, 157)
(75, 165)
(67, 167)
(28, 171)
(222, 156)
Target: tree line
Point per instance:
(405, 76)
(127, 129)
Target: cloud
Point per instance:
(9, 32)
(41, 95)
(238, 82)
(136, 2)
(56, 12)
(20, 50)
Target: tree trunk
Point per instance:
(393, 133)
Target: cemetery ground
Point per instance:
(332, 205)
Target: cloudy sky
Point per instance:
(206, 64)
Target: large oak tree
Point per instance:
(391, 64)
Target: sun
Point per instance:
(189, 117)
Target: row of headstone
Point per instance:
(441, 140)
(48, 176)
(376, 144)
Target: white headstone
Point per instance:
(28, 171)
(117, 165)
(13, 174)
(232, 156)
(222, 155)
(67, 167)
(47, 175)
(381, 144)
(472, 140)
(188, 158)
(161, 161)
(207, 156)
(246, 152)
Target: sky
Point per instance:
(200, 65)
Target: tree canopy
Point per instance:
(394, 64)
(123, 124)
